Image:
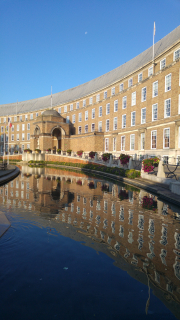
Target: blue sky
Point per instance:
(64, 43)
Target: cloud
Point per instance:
(86, 32)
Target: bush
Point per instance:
(49, 149)
(58, 150)
(123, 194)
(132, 174)
(106, 156)
(80, 152)
(38, 150)
(148, 165)
(69, 151)
(105, 188)
(124, 158)
(91, 185)
(27, 150)
(92, 154)
(149, 203)
(79, 182)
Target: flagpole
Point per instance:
(51, 97)
(154, 31)
(8, 140)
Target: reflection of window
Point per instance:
(153, 139)
(166, 137)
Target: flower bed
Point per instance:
(92, 154)
(124, 158)
(148, 165)
(79, 153)
(106, 156)
(149, 204)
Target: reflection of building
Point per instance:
(135, 107)
(148, 240)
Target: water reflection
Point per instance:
(133, 223)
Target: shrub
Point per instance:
(58, 150)
(132, 174)
(123, 194)
(37, 150)
(148, 165)
(15, 151)
(124, 158)
(69, 151)
(105, 188)
(28, 150)
(49, 149)
(80, 152)
(149, 203)
(106, 156)
(68, 181)
(79, 182)
(92, 154)
(91, 185)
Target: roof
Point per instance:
(94, 85)
(51, 112)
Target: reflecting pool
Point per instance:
(81, 247)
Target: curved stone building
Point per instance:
(134, 108)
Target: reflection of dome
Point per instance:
(51, 112)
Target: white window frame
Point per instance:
(165, 108)
(114, 144)
(67, 119)
(79, 130)
(155, 89)
(167, 82)
(90, 100)
(124, 102)
(142, 140)
(153, 113)
(162, 64)
(65, 108)
(23, 137)
(107, 108)
(86, 128)
(152, 132)
(177, 52)
(133, 98)
(100, 126)
(123, 141)
(31, 116)
(17, 129)
(77, 105)
(106, 147)
(100, 111)
(93, 113)
(59, 110)
(86, 115)
(115, 122)
(98, 97)
(143, 94)
(84, 102)
(71, 107)
(23, 126)
(73, 118)
(121, 87)
(26, 117)
(132, 136)
(113, 91)
(107, 125)
(143, 120)
(140, 75)
(17, 136)
(12, 137)
(150, 71)
(123, 122)
(115, 105)
(133, 118)
(28, 126)
(80, 117)
(164, 138)
(12, 128)
(92, 127)
(105, 94)
(130, 82)
(28, 136)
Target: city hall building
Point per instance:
(133, 109)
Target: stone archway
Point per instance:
(56, 138)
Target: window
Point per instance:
(97, 97)
(67, 119)
(2, 138)
(65, 108)
(26, 116)
(80, 117)
(90, 100)
(133, 99)
(142, 141)
(77, 105)
(100, 111)
(15, 119)
(167, 108)
(36, 114)
(73, 118)
(153, 139)
(59, 110)
(23, 127)
(22, 136)
(79, 130)
(86, 128)
(162, 64)
(115, 105)
(115, 123)
(179, 105)
(106, 144)
(84, 103)
(132, 141)
(166, 138)
(86, 115)
(31, 116)
(124, 102)
(143, 95)
(93, 113)
(154, 111)
(124, 121)
(100, 126)
(12, 137)
(121, 87)
(150, 71)
(143, 115)
(105, 94)
(139, 77)
(17, 137)
(12, 128)
(107, 125)
(28, 136)
(133, 118)
(113, 91)
(71, 107)
(2, 129)
(155, 89)
(17, 127)
(108, 108)
(93, 127)
(114, 144)
(179, 141)
(168, 82)
(130, 82)
(28, 126)
(0, 120)
(122, 143)
(4, 120)
(177, 54)
(22, 151)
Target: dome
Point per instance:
(51, 112)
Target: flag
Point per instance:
(154, 28)
(9, 122)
